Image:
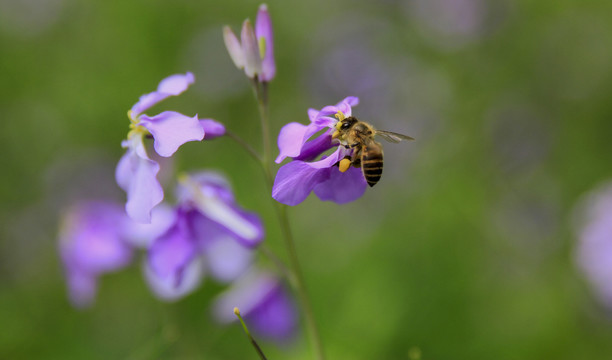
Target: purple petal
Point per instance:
(264, 304)
(295, 180)
(275, 317)
(292, 137)
(313, 148)
(594, 249)
(171, 252)
(233, 47)
(82, 288)
(91, 243)
(171, 86)
(326, 117)
(250, 50)
(312, 114)
(246, 293)
(166, 288)
(211, 195)
(176, 84)
(226, 258)
(328, 111)
(346, 104)
(212, 129)
(263, 30)
(172, 258)
(246, 226)
(142, 235)
(137, 177)
(350, 100)
(171, 130)
(341, 187)
(207, 182)
(91, 238)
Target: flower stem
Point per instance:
(262, 356)
(297, 280)
(248, 148)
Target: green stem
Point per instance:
(244, 145)
(281, 211)
(262, 356)
(282, 268)
(300, 285)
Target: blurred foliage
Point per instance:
(465, 249)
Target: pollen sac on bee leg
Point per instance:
(344, 164)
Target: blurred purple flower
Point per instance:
(254, 52)
(95, 238)
(136, 173)
(296, 179)
(210, 233)
(594, 249)
(264, 303)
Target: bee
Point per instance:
(367, 153)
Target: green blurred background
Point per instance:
(464, 250)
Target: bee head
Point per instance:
(346, 123)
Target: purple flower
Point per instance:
(254, 52)
(211, 233)
(136, 173)
(296, 179)
(594, 251)
(95, 238)
(264, 304)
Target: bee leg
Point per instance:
(356, 159)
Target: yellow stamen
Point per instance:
(134, 127)
(340, 116)
(344, 165)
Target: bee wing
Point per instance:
(392, 137)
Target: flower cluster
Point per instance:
(296, 179)
(206, 232)
(136, 173)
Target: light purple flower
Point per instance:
(594, 249)
(136, 173)
(96, 237)
(254, 52)
(264, 303)
(296, 179)
(211, 234)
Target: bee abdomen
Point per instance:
(372, 167)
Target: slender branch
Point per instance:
(297, 279)
(265, 123)
(248, 334)
(248, 148)
(300, 285)
(288, 273)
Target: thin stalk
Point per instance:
(300, 285)
(280, 265)
(262, 356)
(248, 148)
(265, 124)
(281, 212)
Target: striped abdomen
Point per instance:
(372, 162)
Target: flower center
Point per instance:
(135, 128)
(340, 116)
